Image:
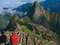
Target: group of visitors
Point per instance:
(14, 39)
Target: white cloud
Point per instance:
(37, 0)
(14, 3)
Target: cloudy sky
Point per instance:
(14, 3)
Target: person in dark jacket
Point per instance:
(3, 38)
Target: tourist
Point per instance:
(14, 39)
(3, 38)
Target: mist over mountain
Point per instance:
(51, 5)
(24, 7)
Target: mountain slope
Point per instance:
(4, 20)
(52, 5)
(24, 7)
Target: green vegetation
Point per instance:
(26, 30)
(23, 21)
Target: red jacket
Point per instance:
(14, 39)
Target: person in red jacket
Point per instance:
(14, 39)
